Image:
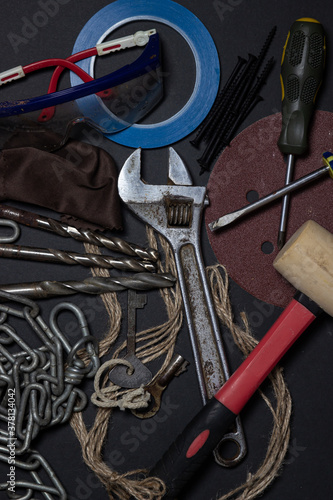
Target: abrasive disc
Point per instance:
(253, 164)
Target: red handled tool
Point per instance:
(199, 438)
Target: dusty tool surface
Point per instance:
(253, 164)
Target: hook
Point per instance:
(16, 231)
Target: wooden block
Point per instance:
(306, 261)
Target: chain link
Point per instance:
(44, 382)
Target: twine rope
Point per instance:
(137, 398)
(151, 344)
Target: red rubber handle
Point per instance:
(247, 378)
(203, 433)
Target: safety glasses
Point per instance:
(125, 95)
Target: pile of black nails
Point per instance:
(233, 104)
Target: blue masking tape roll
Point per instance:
(205, 55)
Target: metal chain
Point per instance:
(39, 386)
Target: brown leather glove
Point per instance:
(78, 180)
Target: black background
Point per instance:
(237, 28)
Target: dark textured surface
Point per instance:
(237, 27)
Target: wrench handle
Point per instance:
(201, 435)
(208, 349)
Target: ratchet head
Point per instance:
(166, 208)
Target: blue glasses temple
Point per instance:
(146, 62)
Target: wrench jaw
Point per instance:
(129, 179)
(178, 173)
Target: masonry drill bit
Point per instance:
(10, 251)
(92, 286)
(85, 235)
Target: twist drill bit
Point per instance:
(72, 258)
(92, 286)
(85, 235)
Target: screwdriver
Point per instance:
(302, 67)
(227, 219)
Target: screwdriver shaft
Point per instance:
(229, 218)
(93, 286)
(302, 67)
(85, 235)
(59, 256)
(285, 202)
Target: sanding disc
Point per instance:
(253, 164)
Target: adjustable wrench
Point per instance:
(175, 211)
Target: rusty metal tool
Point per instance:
(10, 251)
(175, 211)
(113, 243)
(140, 374)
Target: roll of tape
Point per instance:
(207, 66)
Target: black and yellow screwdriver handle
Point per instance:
(302, 68)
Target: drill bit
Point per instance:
(85, 235)
(92, 286)
(72, 258)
